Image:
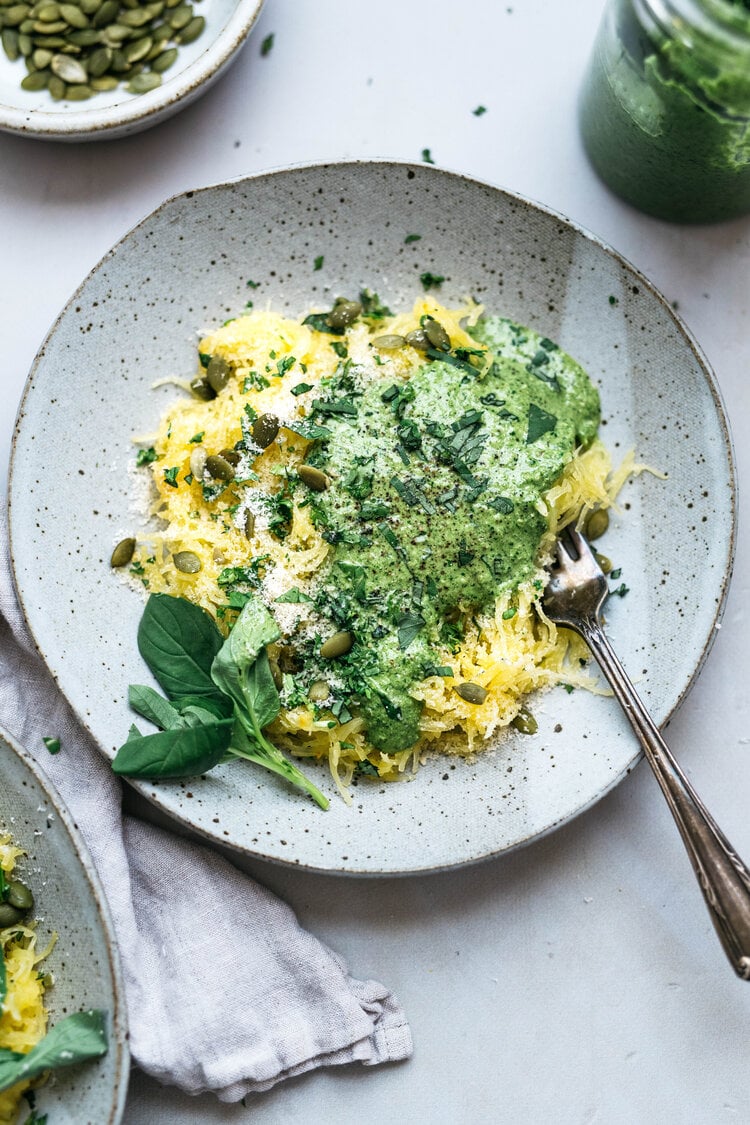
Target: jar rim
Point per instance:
(721, 23)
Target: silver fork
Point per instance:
(574, 597)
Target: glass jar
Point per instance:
(665, 107)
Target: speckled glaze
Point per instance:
(136, 319)
(118, 113)
(69, 901)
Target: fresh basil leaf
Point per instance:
(153, 706)
(75, 1039)
(218, 706)
(309, 430)
(179, 641)
(196, 716)
(294, 596)
(260, 692)
(408, 624)
(540, 423)
(180, 752)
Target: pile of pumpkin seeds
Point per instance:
(76, 48)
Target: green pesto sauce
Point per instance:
(431, 509)
(666, 123)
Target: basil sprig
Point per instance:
(75, 1039)
(220, 695)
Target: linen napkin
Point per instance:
(273, 1000)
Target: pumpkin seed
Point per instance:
(41, 58)
(74, 16)
(47, 13)
(70, 70)
(265, 430)
(136, 17)
(123, 553)
(604, 563)
(525, 722)
(418, 339)
(437, 335)
(249, 524)
(164, 60)
(187, 562)
(9, 915)
(25, 46)
(99, 61)
(337, 645)
(313, 478)
(107, 13)
(26, 27)
(218, 372)
(318, 691)
(596, 523)
(216, 466)
(115, 35)
(20, 896)
(200, 387)
(56, 88)
(79, 93)
(343, 313)
(137, 50)
(10, 43)
(192, 31)
(106, 82)
(55, 42)
(389, 342)
(36, 80)
(230, 455)
(142, 83)
(198, 462)
(119, 65)
(180, 17)
(90, 7)
(472, 693)
(49, 28)
(161, 33)
(86, 38)
(16, 14)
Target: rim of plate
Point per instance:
(119, 1013)
(524, 201)
(138, 110)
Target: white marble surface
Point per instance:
(579, 980)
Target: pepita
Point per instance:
(99, 61)
(192, 31)
(524, 722)
(70, 70)
(180, 17)
(218, 372)
(142, 83)
(343, 313)
(472, 693)
(313, 478)
(163, 61)
(596, 523)
(318, 691)
(16, 14)
(79, 93)
(107, 13)
(216, 466)
(56, 88)
(337, 645)
(265, 430)
(249, 524)
(187, 562)
(437, 335)
(10, 43)
(37, 80)
(73, 16)
(418, 339)
(137, 50)
(198, 462)
(200, 387)
(106, 82)
(123, 553)
(389, 342)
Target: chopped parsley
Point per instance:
(265, 49)
(427, 156)
(170, 476)
(479, 111)
(52, 744)
(412, 238)
(431, 280)
(318, 263)
(146, 456)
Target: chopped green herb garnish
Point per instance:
(540, 423)
(170, 475)
(301, 388)
(265, 49)
(196, 439)
(146, 456)
(318, 263)
(427, 156)
(481, 109)
(408, 625)
(412, 238)
(52, 744)
(293, 596)
(431, 280)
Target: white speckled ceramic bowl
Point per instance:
(136, 318)
(118, 113)
(68, 901)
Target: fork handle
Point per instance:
(723, 877)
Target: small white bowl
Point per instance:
(118, 113)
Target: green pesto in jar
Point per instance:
(665, 107)
(432, 504)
